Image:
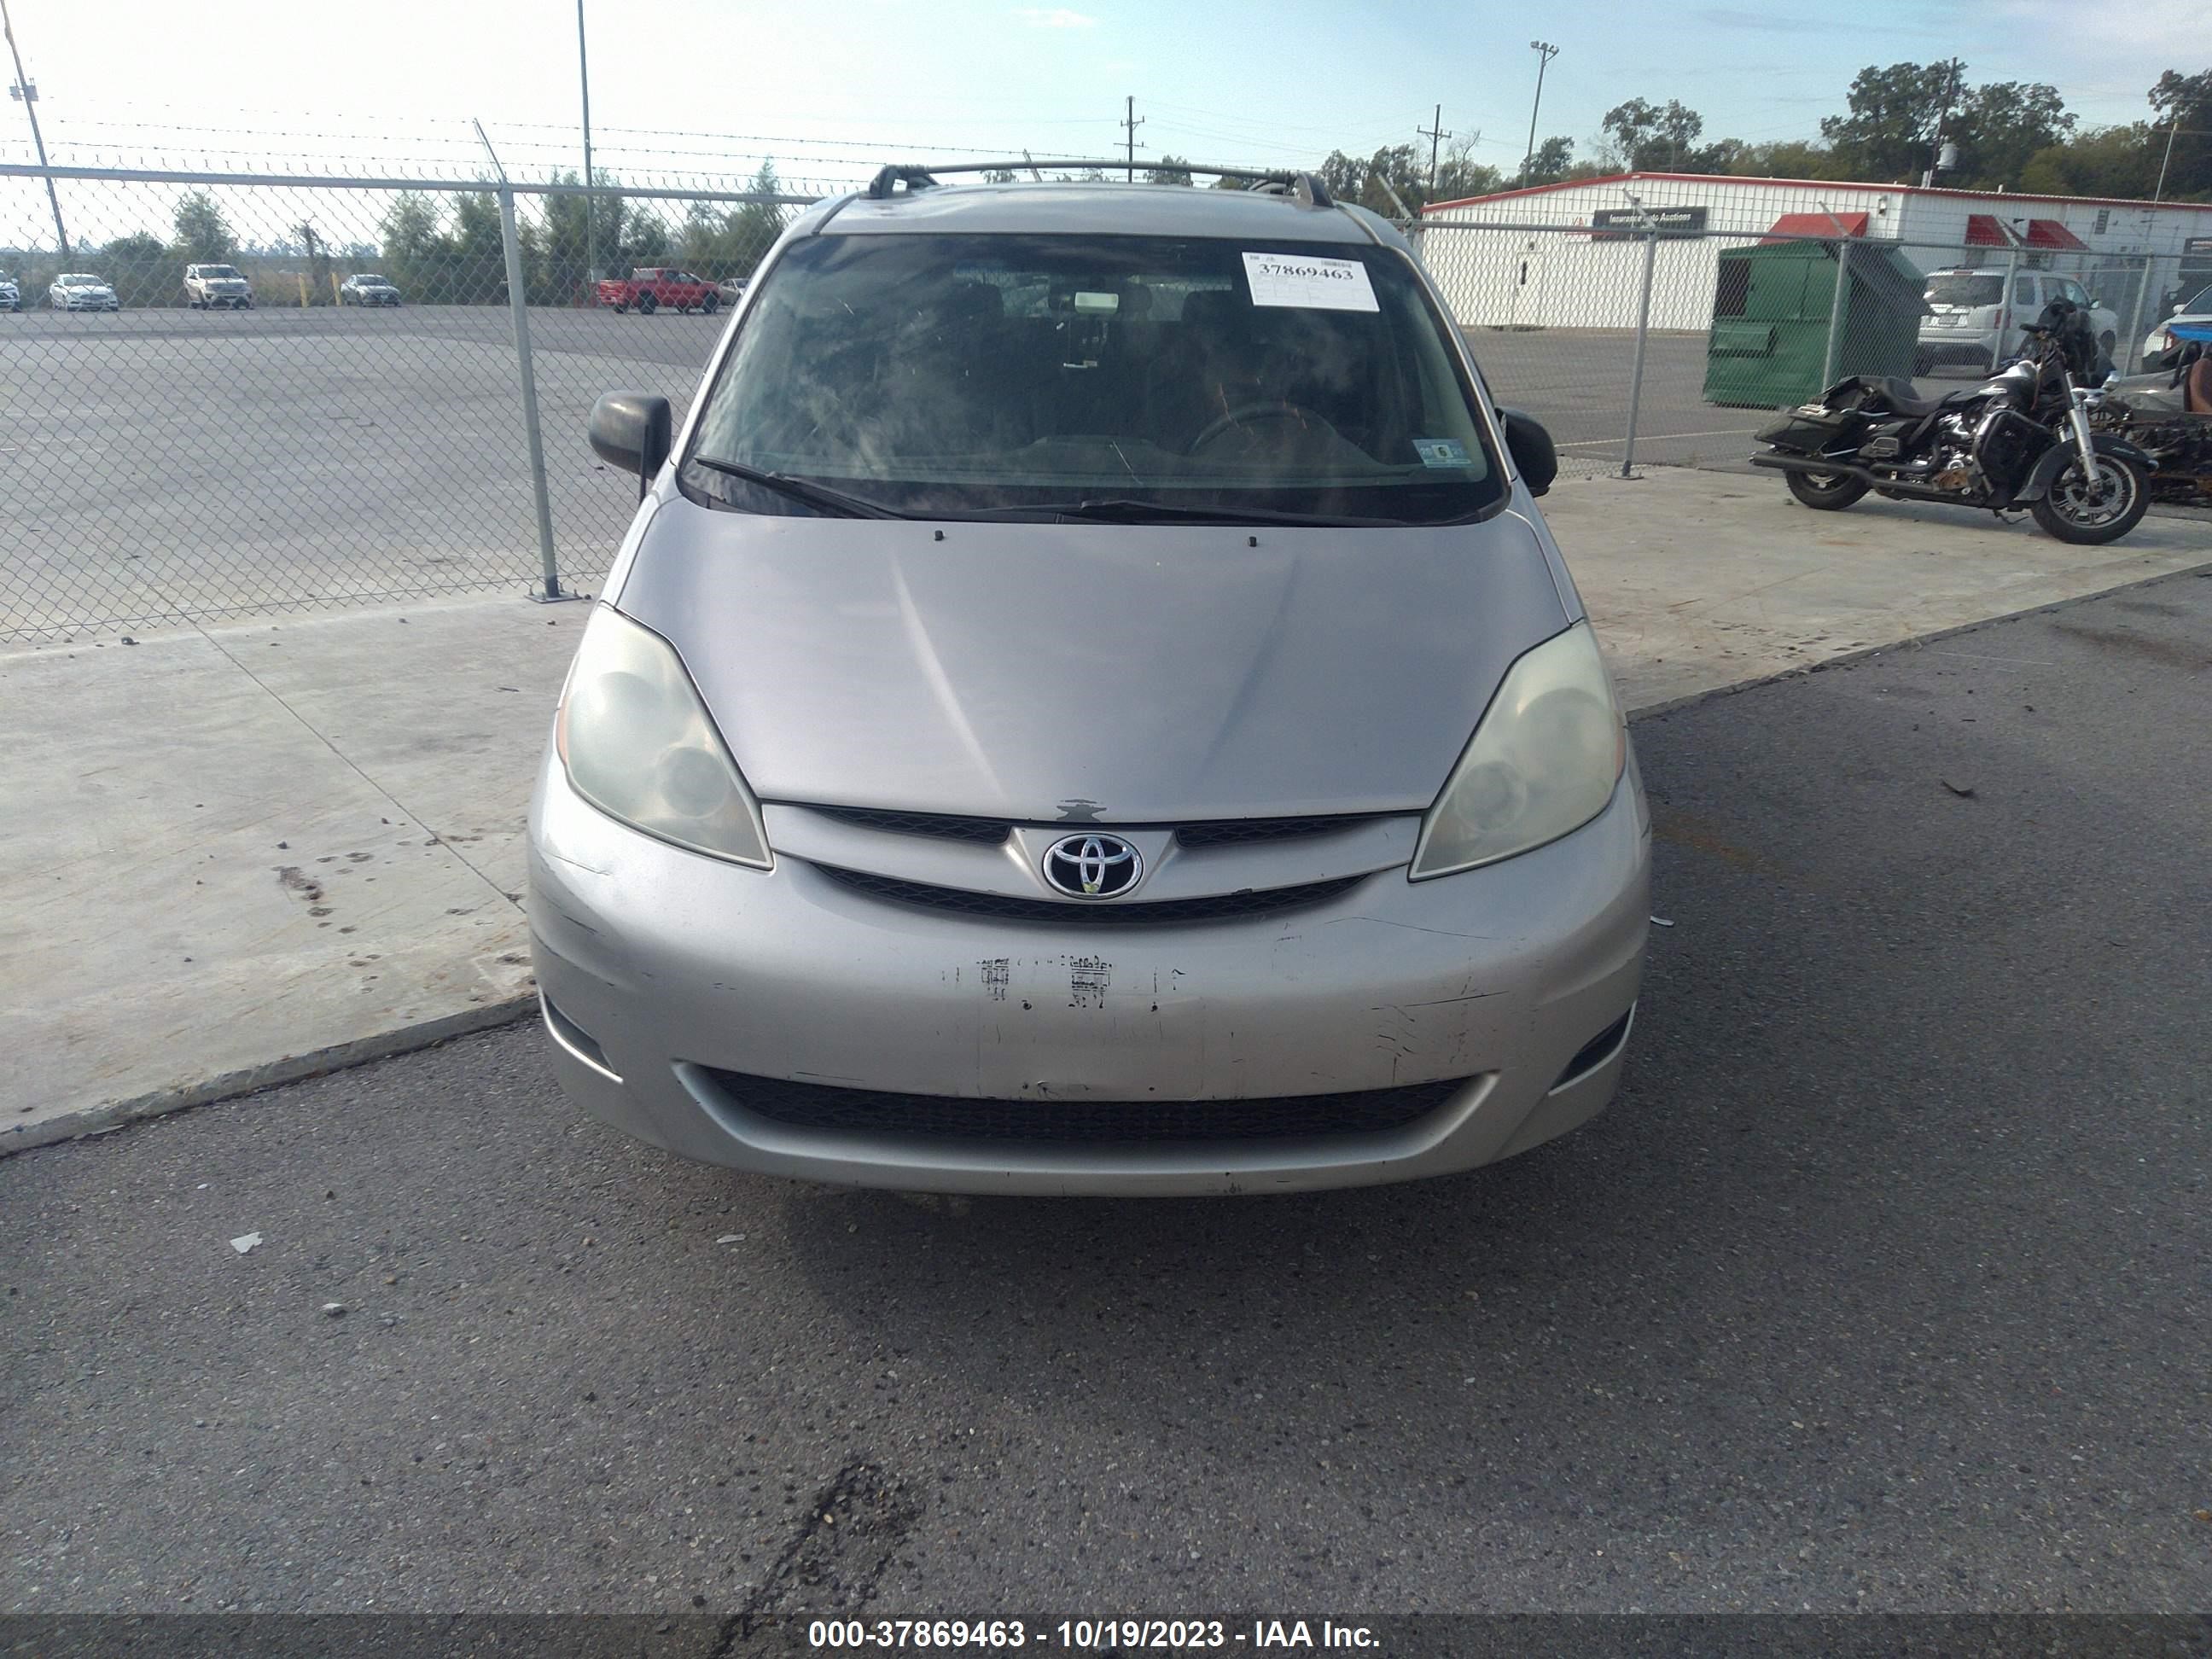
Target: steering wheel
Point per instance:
(1247, 414)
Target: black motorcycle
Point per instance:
(2167, 414)
(2022, 440)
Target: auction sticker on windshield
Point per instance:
(1295, 279)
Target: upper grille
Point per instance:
(1215, 832)
(824, 1106)
(1074, 913)
(1239, 832)
(945, 825)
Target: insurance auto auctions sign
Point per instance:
(1613, 222)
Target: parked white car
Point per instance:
(2159, 342)
(210, 288)
(78, 290)
(11, 296)
(1969, 321)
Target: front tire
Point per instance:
(1825, 492)
(646, 304)
(2067, 514)
(710, 305)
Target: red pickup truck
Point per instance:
(651, 289)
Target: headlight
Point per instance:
(1543, 762)
(637, 743)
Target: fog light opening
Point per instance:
(578, 1042)
(1597, 1051)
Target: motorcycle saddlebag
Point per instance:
(1812, 431)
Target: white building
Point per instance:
(1569, 255)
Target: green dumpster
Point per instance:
(1772, 309)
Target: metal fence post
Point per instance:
(517, 300)
(1831, 359)
(1643, 338)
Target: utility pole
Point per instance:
(1546, 51)
(1935, 155)
(1435, 134)
(2157, 195)
(26, 93)
(584, 74)
(1130, 122)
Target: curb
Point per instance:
(424, 1034)
(291, 1068)
(1912, 642)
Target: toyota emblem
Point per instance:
(1092, 866)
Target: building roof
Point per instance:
(1940, 190)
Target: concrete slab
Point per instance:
(242, 854)
(1699, 581)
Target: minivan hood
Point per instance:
(1137, 674)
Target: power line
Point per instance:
(1434, 135)
(1130, 122)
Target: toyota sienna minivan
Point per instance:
(1088, 703)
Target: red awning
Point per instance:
(1982, 230)
(2049, 232)
(1816, 224)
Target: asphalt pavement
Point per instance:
(1881, 1287)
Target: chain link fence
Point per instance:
(1669, 348)
(230, 394)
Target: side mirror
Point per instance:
(635, 431)
(1537, 462)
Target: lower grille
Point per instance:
(1075, 913)
(1082, 1123)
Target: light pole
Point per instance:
(1546, 51)
(584, 76)
(26, 91)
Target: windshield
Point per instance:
(77, 279)
(217, 271)
(367, 281)
(945, 376)
(2201, 306)
(1965, 287)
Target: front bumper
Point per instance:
(661, 969)
(1958, 346)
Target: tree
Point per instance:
(417, 254)
(723, 244)
(1552, 162)
(2002, 124)
(479, 264)
(319, 290)
(1895, 111)
(142, 267)
(203, 235)
(1171, 170)
(1460, 175)
(998, 175)
(2119, 161)
(1789, 158)
(2183, 106)
(1648, 137)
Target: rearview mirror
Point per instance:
(1535, 458)
(633, 430)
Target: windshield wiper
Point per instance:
(835, 502)
(1119, 510)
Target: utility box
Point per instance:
(1772, 311)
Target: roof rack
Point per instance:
(1293, 182)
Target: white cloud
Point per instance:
(1054, 17)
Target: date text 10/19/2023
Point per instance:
(1088, 1634)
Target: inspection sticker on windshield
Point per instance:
(1295, 279)
(1442, 452)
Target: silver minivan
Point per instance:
(1088, 703)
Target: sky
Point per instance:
(708, 86)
